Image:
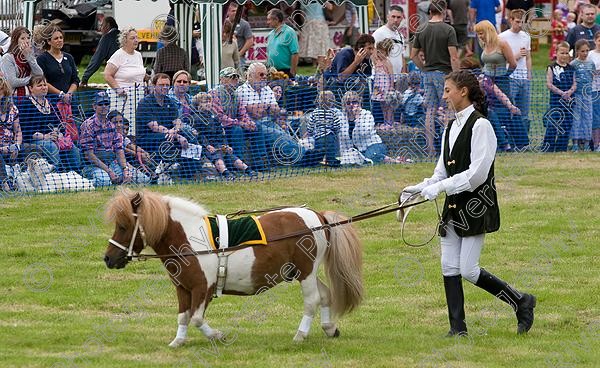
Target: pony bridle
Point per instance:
(131, 255)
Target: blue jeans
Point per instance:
(102, 179)
(519, 95)
(514, 126)
(501, 138)
(283, 148)
(61, 160)
(327, 146)
(237, 138)
(558, 121)
(375, 152)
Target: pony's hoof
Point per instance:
(177, 342)
(331, 330)
(216, 335)
(300, 336)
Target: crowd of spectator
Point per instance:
(150, 122)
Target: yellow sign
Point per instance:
(148, 35)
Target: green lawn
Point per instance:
(60, 306)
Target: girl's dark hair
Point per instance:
(466, 79)
(113, 114)
(14, 39)
(48, 32)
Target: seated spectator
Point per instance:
(230, 56)
(58, 66)
(43, 129)
(412, 67)
(18, 64)
(258, 99)
(413, 102)
(358, 132)
(180, 94)
(323, 128)
(158, 128)
(135, 156)
(125, 74)
(560, 80)
(351, 61)
(170, 58)
(239, 128)
(103, 146)
(11, 138)
(108, 45)
(214, 141)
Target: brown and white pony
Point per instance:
(171, 225)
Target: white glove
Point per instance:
(412, 189)
(431, 192)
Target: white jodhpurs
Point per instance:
(460, 256)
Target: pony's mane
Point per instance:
(185, 205)
(153, 212)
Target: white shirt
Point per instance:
(249, 96)
(594, 56)
(396, 56)
(130, 68)
(483, 152)
(516, 41)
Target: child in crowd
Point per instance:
(412, 67)
(324, 127)
(571, 21)
(213, 140)
(594, 56)
(133, 153)
(560, 80)
(383, 79)
(559, 27)
(581, 132)
(412, 102)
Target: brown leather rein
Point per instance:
(362, 216)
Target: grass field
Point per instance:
(61, 307)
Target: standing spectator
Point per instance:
(481, 10)
(282, 44)
(560, 80)
(581, 133)
(587, 29)
(314, 38)
(571, 21)
(109, 43)
(594, 56)
(243, 32)
(438, 42)
(260, 103)
(18, 64)
(559, 27)
(520, 80)
(159, 129)
(460, 21)
(230, 56)
(11, 137)
(42, 128)
(383, 83)
(496, 56)
(125, 75)
(170, 58)
(58, 66)
(102, 147)
(240, 130)
(391, 30)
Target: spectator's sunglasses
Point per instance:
(349, 103)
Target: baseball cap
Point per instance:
(101, 97)
(228, 72)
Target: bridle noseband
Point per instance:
(130, 253)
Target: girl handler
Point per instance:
(465, 171)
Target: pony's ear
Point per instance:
(135, 201)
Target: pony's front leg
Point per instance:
(310, 293)
(183, 318)
(198, 316)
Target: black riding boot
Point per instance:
(456, 305)
(521, 303)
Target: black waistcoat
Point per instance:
(471, 213)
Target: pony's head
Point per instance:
(140, 219)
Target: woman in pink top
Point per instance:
(125, 74)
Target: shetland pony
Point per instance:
(173, 228)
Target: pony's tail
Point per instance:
(343, 265)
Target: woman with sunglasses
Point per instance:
(18, 64)
(180, 94)
(58, 66)
(358, 133)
